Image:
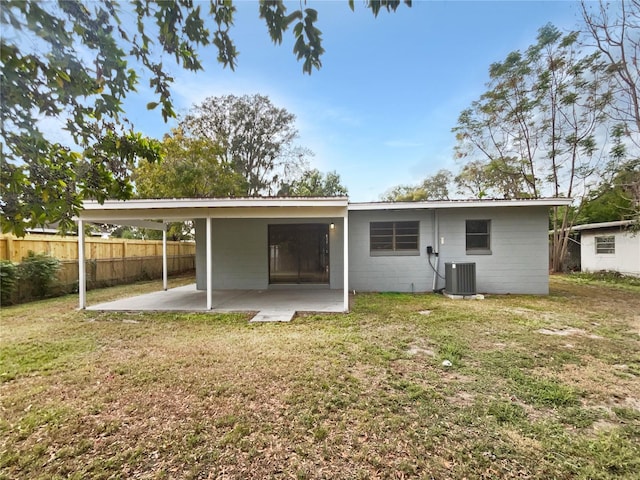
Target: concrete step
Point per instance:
(274, 316)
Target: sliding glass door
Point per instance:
(299, 253)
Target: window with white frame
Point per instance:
(394, 238)
(478, 236)
(606, 244)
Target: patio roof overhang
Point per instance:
(186, 209)
(155, 214)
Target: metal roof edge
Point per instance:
(240, 202)
(445, 204)
(596, 226)
(252, 202)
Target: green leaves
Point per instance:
(434, 187)
(274, 14)
(539, 128)
(308, 38)
(313, 183)
(308, 44)
(388, 5)
(191, 168)
(70, 64)
(256, 137)
(539, 117)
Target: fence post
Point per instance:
(9, 245)
(124, 259)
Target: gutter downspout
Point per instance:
(436, 249)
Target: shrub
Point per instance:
(39, 272)
(8, 279)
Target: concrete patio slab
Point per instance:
(187, 298)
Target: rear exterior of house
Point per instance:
(610, 246)
(330, 243)
(508, 245)
(395, 247)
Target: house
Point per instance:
(611, 246)
(331, 243)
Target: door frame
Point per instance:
(296, 227)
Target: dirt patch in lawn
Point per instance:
(565, 332)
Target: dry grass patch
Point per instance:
(364, 395)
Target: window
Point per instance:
(478, 236)
(606, 244)
(394, 238)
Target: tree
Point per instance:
(312, 183)
(615, 199)
(256, 138)
(615, 31)
(541, 116)
(76, 62)
(434, 187)
(491, 178)
(191, 168)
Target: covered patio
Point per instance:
(235, 245)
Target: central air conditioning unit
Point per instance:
(460, 278)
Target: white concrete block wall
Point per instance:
(518, 262)
(336, 255)
(201, 253)
(388, 273)
(240, 254)
(241, 257)
(626, 258)
(519, 258)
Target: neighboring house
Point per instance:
(611, 246)
(262, 243)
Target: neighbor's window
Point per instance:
(606, 244)
(394, 238)
(478, 234)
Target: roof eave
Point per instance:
(447, 204)
(178, 203)
(602, 225)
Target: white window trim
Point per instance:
(478, 251)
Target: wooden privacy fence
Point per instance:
(108, 261)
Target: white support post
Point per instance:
(345, 242)
(165, 283)
(82, 276)
(209, 266)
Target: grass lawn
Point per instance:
(539, 387)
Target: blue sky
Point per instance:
(381, 109)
